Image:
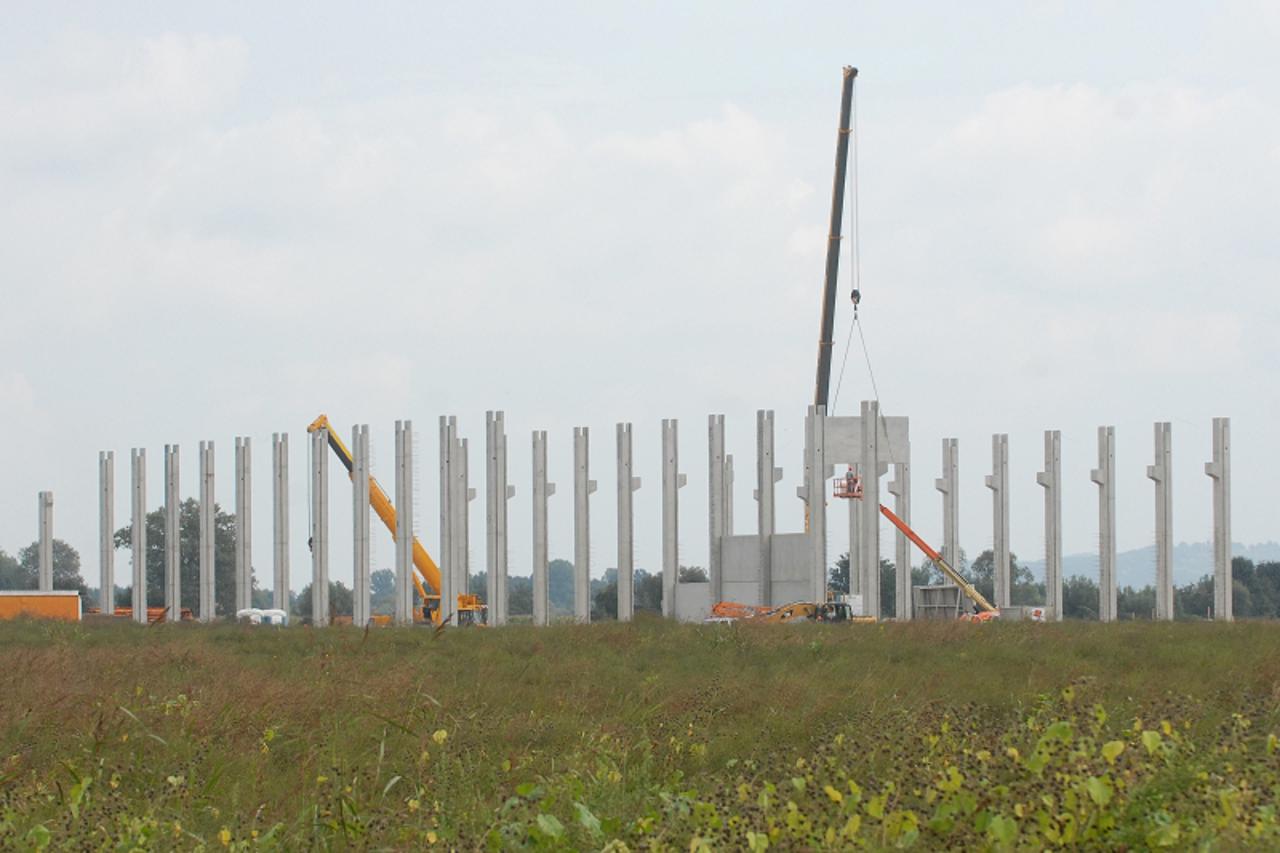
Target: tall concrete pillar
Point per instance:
(900, 488)
(998, 483)
(404, 530)
(497, 495)
(626, 526)
(361, 610)
(948, 484)
(767, 477)
(728, 494)
(460, 503)
(44, 547)
(583, 487)
(172, 532)
(856, 574)
(1162, 474)
(541, 491)
(872, 470)
(1105, 477)
(672, 482)
(320, 527)
(106, 532)
(814, 494)
(1051, 479)
(1220, 470)
(244, 525)
(138, 534)
(448, 449)
(280, 520)
(208, 534)
(716, 511)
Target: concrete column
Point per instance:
(1051, 479)
(460, 504)
(497, 494)
(583, 488)
(998, 483)
(728, 494)
(856, 574)
(244, 525)
(138, 534)
(541, 491)
(1105, 476)
(361, 610)
(106, 532)
(900, 488)
(448, 446)
(814, 494)
(172, 534)
(1162, 474)
(320, 527)
(1220, 470)
(716, 513)
(767, 477)
(948, 484)
(872, 470)
(208, 534)
(280, 520)
(44, 548)
(672, 482)
(404, 530)
(626, 526)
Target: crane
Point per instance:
(469, 609)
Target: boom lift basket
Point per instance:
(848, 487)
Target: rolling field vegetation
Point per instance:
(642, 736)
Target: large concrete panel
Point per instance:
(693, 601)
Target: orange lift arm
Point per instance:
(956, 578)
(381, 504)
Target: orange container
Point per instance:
(60, 604)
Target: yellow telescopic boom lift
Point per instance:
(469, 609)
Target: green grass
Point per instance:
(643, 735)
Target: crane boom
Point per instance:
(955, 577)
(827, 329)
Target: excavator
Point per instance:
(469, 609)
(797, 611)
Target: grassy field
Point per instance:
(640, 736)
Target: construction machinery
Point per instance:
(468, 608)
(797, 611)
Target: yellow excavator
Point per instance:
(469, 609)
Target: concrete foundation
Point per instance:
(208, 533)
(998, 483)
(404, 531)
(948, 485)
(583, 488)
(1161, 473)
(1105, 477)
(244, 525)
(320, 527)
(1051, 479)
(627, 484)
(44, 543)
(715, 500)
(106, 531)
(172, 534)
(497, 493)
(900, 488)
(542, 490)
(361, 539)
(138, 533)
(1219, 469)
(767, 477)
(280, 521)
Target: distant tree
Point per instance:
(1195, 600)
(11, 573)
(224, 559)
(340, 601)
(24, 573)
(1079, 598)
(382, 592)
(560, 587)
(648, 591)
(692, 574)
(1135, 603)
(520, 596)
(605, 602)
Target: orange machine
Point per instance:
(61, 604)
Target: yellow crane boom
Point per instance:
(422, 562)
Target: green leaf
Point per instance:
(757, 842)
(1111, 750)
(1151, 740)
(529, 790)
(1002, 830)
(1100, 789)
(550, 826)
(39, 836)
(587, 820)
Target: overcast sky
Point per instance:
(224, 219)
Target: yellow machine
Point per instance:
(797, 611)
(469, 609)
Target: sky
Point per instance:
(221, 220)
